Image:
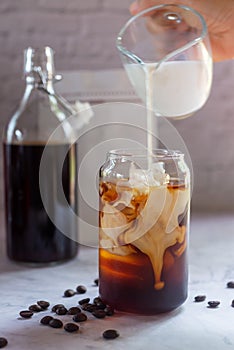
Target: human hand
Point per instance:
(219, 17)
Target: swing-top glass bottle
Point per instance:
(31, 234)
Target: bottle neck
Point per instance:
(39, 81)
(49, 86)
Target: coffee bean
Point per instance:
(97, 300)
(99, 313)
(35, 308)
(69, 293)
(84, 301)
(3, 342)
(230, 284)
(110, 334)
(109, 311)
(26, 313)
(43, 304)
(80, 317)
(199, 298)
(74, 310)
(89, 307)
(61, 311)
(55, 307)
(101, 306)
(96, 281)
(46, 320)
(232, 304)
(71, 327)
(56, 323)
(213, 304)
(81, 289)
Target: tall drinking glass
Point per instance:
(144, 224)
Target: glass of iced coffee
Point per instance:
(144, 224)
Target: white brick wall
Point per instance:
(83, 35)
(81, 32)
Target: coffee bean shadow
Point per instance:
(41, 337)
(89, 335)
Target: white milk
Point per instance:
(173, 89)
(177, 88)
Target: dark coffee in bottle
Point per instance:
(31, 235)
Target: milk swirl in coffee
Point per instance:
(143, 240)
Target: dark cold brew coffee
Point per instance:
(31, 236)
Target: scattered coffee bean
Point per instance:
(69, 293)
(84, 301)
(26, 313)
(89, 307)
(199, 298)
(74, 310)
(61, 311)
(46, 320)
(232, 304)
(109, 311)
(81, 289)
(71, 327)
(56, 323)
(110, 334)
(96, 281)
(3, 342)
(43, 304)
(55, 307)
(101, 306)
(80, 317)
(230, 284)
(213, 304)
(99, 313)
(35, 308)
(97, 300)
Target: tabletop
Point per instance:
(191, 326)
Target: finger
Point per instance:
(140, 5)
(134, 8)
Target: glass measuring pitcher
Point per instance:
(166, 53)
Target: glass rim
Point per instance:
(125, 52)
(159, 154)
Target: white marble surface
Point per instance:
(192, 326)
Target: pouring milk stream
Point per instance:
(178, 82)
